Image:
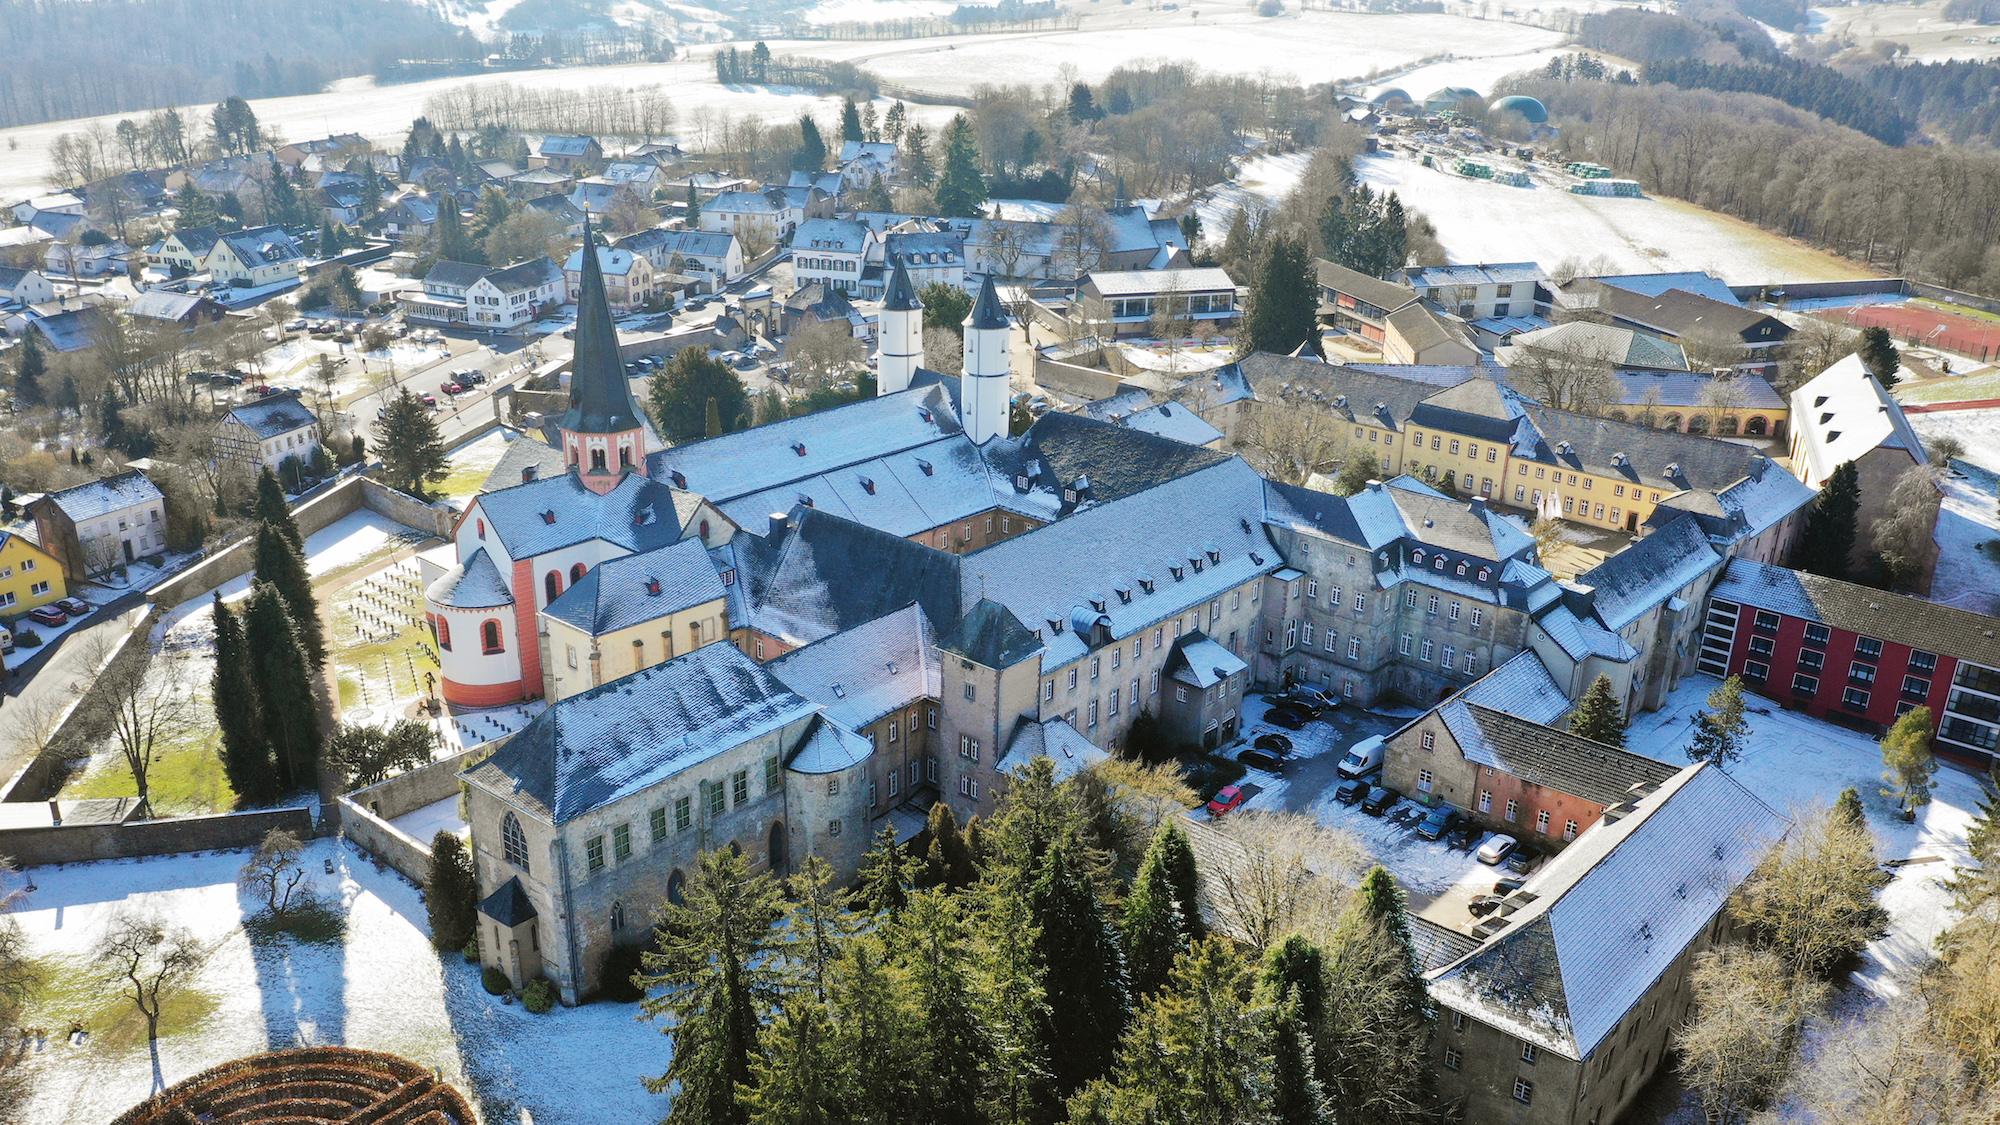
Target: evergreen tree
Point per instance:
(1826, 542)
(810, 156)
(1718, 731)
(679, 394)
(871, 126)
(413, 455)
(945, 306)
(917, 156)
(876, 1029)
(1011, 998)
(28, 372)
(760, 62)
(1191, 228)
(712, 424)
(1082, 106)
(1598, 716)
(1085, 969)
(279, 563)
(1377, 1019)
(714, 973)
(493, 210)
(193, 208)
(1284, 306)
(1153, 928)
(850, 121)
(329, 240)
(68, 397)
(451, 895)
(884, 881)
(1976, 886)
(453, 244)
(1296, 968)
(894, 121)
(1880, 357)
(951, 1044)
(875, 197)
(111, 419)
(274, 509)
(797, 1075)
(1909, 767)
(246, 754)
(1297, 1098)
(961, 192)
(1181, 873)
(284, 683)
(947, 861)
(1847, 807)
(693, 207)
(816, 927)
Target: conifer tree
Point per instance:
(29, 370)
(947, 861)
(1377, 1011)
(1976, 886)
(1908, 767)
(712, 425)
(917, 156)
(1153, 928)
(1297, 1098)
(1719, 730)
(451, 895)
(951, 1044)
(1085, 969)
(961, 191)
(274, 509)
(796, 1076)
(1598, 716)
(1012, 1004)
(1827, 541)
(1880, 357)
(876, 1029)
(279, 563)
(1296, 967)
(453, 244)
(810, 156)
(850, 121)
(713, 975)
(284, 683)
(246, 753)
(884, 881)
(693, 207)
(816, 927)
(1848, 807)
(68, 396)
(413, 455)
(1181, 873)
(1284, 305)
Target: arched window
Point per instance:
(576, 573)
(489, 637)
(624, 456)
(617, 916)
(1757, 426)
(444, 634)
(676, 883)
(777, 845)
(552, 584)
(513, 841)
(597, 459)
(482, 528)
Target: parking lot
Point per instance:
(1441, 877)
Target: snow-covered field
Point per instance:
(1480, 221)
(1480, 74)
(1968, 574)
(1261, 181)
(382, 988)
(877, 11)
(1978, 429)
(1796, 763)
(1921, 28)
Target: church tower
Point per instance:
(603, 433)
(983, 388)
(901, 351)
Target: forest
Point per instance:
(78, 60)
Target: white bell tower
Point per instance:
(983, 389)
(901, 349)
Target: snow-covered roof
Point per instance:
(1053, 739)
(1647, 573)
(687, 243)
(1198, 660)
(614, 262)
(626, 736)
(1612, 912)
(1622, 347)
(261, 246)
(1139, 283)
(1699, 283)
(1581, 638)
(1172, 420)
(1497, 273)
(1842, 414)
(473, 584)
(554, 512)
(1917, 622)
(638, 588)
(1521, 687)
(103, 497)
(570, 145)
(864, 673)
(274, 416)
(743, 203)
(840, 236)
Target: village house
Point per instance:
(568, 154)
(255, 258)
(1844, 415)
(1117, 303)
(30, 577)
(758, 219)
(24, 287)
(713, 256)
(485, 297)
(94, 527)
(186, 311)
(268, 433)
(628, 278)
(410, 218)
(184, 251)
(834, 252)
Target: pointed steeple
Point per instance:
(987, 312)
(600, 401)
(902, 296)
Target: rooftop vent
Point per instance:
(1340, 401)
(679, 478)
(1673, 468)
(1563, 448)
(799, 448)
(868, 485)
(1618, 459)
(652, 587)
(925, 467)
(839, 692)
(549, 515)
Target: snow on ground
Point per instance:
(356, 538)
(1796, 763)
(473, 461)
(1480, 74)
(1480, 221)
(877, 11)
(1151, 355)
(1026, 210)
(436, 817)
(383, 988)
(1968, 572)
(1260, 182)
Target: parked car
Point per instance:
(1482, 905)
(1262, 760)
(48, 615)
(1521, 860)
(1295, 701)
(1378, 800)
(1364, 756)
(1496, 849)
(429, 400)
(1352, 790)
(450, 388)
(75, 607)
(1439, 821)
(1507, 885)
(262, 389)
(1285, 717)
(1463, 837)
(1225, 799)
(6, 639)
(1274, 742)
(471, 378)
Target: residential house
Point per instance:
(1116, 303)
(20, 286)
(184, 251)
(538, 182)
(255, 258)
(410, 218)
(69, 329)
(877, 157)
(1843, 415)
(57, 203)
(628, 278)
(30, 577)
(569, 154)
(833, 252)
(1419, 334)
(597, 195)
(339, 148)
(87, 259)
(182, 310)
(492, 298)
(267, 433)
(559, 208)
(644, 177)
(1356, 303)
(758, 219)
(932, 257)
(1748, 339)
(713, 256)
(91, 528)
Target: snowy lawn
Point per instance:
(1978, 383)
(436, 817)
(1968, 538)
(1979, 430)
(473, 461)
(1260, 182)
(1796, 764)
(380, 987)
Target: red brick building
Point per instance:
(1857, 656)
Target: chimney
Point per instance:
(55, 812)
(781, 522)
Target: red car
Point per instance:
(451, 388)
(430, 400)
(1225, 799)
(48, 615)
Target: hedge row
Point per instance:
(307, 1086)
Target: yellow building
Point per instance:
(29, 576)
(630, 614)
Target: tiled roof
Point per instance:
(992, 636)
(1865, 610)
(1633, 581)
(1550, 756)
(623, 737)
(103, 497)
(877, 668)
(261, 246)
(638, 588)
(550, 513)
(473, 584)
(277, 414)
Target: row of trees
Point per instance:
(1051, 966)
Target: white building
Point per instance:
(267, 433)
(106, 523)
(714, 256)
(833, 251)
(1478, 292)
(484, 296)
(255, 258)
(628, 277)
(24, 287)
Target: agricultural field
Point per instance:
(1921, 27)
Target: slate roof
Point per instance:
(1582, 637)
(901, 296)
(638, 588)
(687, 243)
(1633, 581)
(198, 240)
(600, 398)
(103, 497)
(1701, 284)
(530, 274)
(263, 246)
(274, 415)
(1549, 756)
(1496, 273)
(1200, 661)
(875, 669)
(1921, 624)
(1385, 295)
(1675, 312)
(624, 737)
(1691, 389)
(1478, 408)
(743, 202)
(1649, 453)
(70, 330)
(164, 304)
(1422, 328)
(992, 636)
(823, 575)
(1053, 739)
(828, 748)
(571, 145)
(1612, 912)
(1521, 687)
(1620, 347)
(1744, 509)
(11, 276)
(1118, 461)
(553, 512)
(1355, 393)
(473, 584)
(838, 235)
(1843, 413)
(1172, 420)
(508, 905)
(448, 274)
(987, 312)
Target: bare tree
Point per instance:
(944, 351)
(1289, 441)
(150, 709)
(1173, 320)
(273, 872)
(1081, 234)
(1813, 346)
(1738, 1046)
(1273, 874)
(823, 354)
(148, 957)
(1573, 373)
(1903, 537)
(1719, 396)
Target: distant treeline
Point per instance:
(758, 66)
(1812, 87)
(605, 111)
(1973, 11)
(1958, 101)
(62, 59)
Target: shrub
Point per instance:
(495, 981)
(471, 950)
(539, 996)
(27, 638)
(620, 963)
(1206, 773)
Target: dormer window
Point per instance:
(1485, 573)
(729, 576)
(868, 485)
(925, 467)
(1097, 604)
(679, 478)
(799, 448)
(1214, 554)
(1069, 495)
(1461, 570)
(1196, 561)
(1417, 556)
(1124, 595)
(1437, 563)
(1177, 570)
(652, 587)
(1020, 483)
(1055, 624)
(1146, 585)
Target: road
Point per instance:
(29, 709)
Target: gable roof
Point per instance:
(1549, 756)
(1385, 295)
(1661, 459)
(1633, 581)
(638, 588)
(103, 497)
(992, 636)
(821, 574)
(1676, 312)
(1844, 413)
(1620, 347)
(1700, 283)
(1423, 328)
(262, 246)
(550, 513)
(1132, 283)
(274, 415)
(1916, 622)
(1199, 661)
(874, 669)
(1053, 739)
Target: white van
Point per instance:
(1364, 757)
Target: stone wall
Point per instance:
(78, 843)
(365, 813)
(1075, 380)
(42, 777)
